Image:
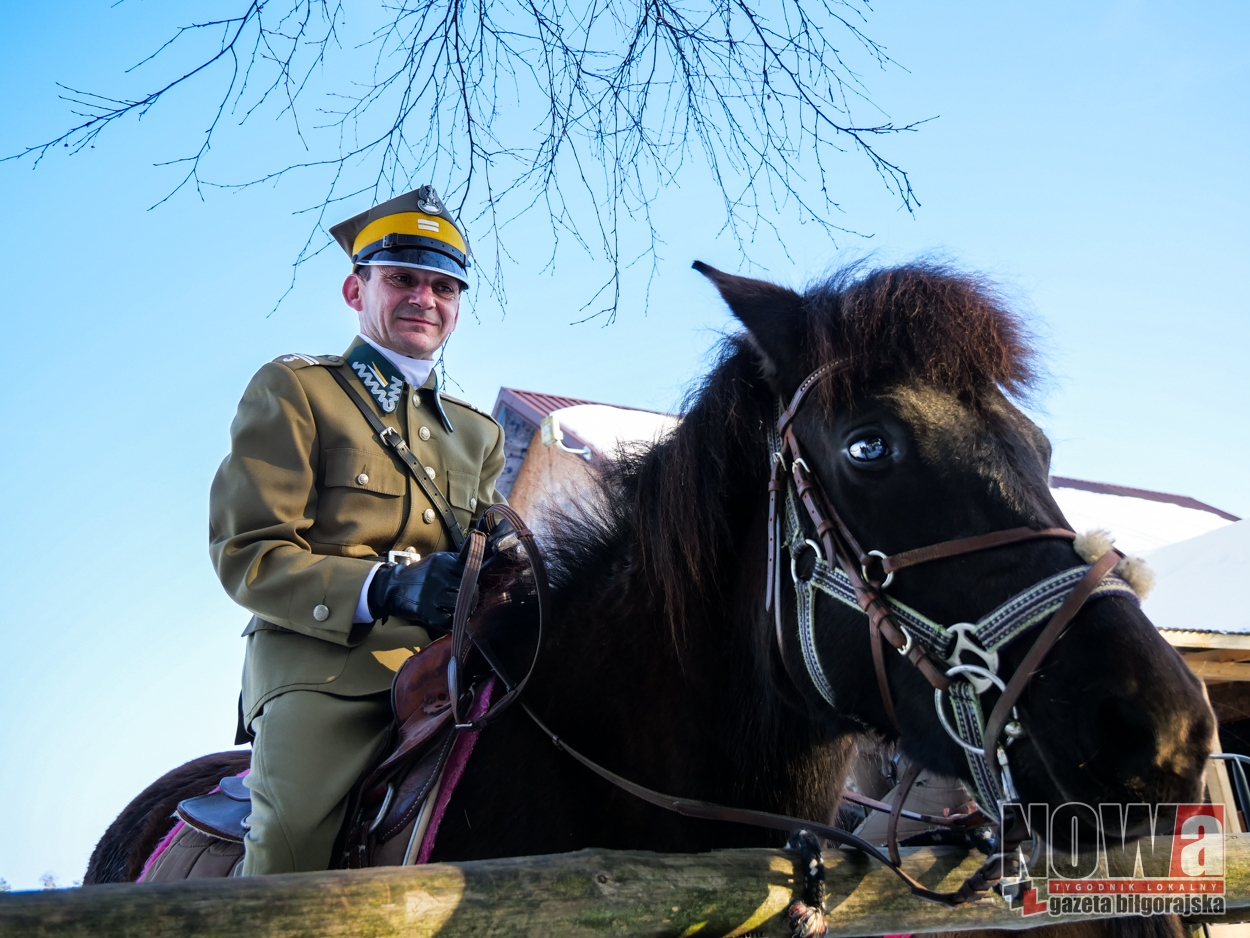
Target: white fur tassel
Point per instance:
(1092, 545)
(1137, 573)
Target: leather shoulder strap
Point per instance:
(392, 438)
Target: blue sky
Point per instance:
(1088, 157)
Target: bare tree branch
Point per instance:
(629, 97)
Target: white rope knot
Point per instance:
(1094, 544)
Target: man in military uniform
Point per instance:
(334, 521)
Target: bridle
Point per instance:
(933, 649)
(861, 577)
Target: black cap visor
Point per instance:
(419, 258)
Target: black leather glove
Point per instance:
(424, 591)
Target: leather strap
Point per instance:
(943, 820)
(463, 638)
(904, 789)
(876, 640)
(392, 438)
(796, 400)
(689, 807)
(1041, 647)
(965, 545)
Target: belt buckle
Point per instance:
(406, 557)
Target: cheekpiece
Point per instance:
(411, 230)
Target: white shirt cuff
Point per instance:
(362, 604)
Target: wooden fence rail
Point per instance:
(575, 895)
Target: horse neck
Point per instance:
(694, 710)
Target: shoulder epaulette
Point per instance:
(300, 360)
(465, 404)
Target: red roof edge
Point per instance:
(1106, 488)
(534, 406)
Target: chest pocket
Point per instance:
(462, 489)
(367, 472)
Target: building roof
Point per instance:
(1199, 585)
(1106, 488)
(521, 412)
(608, 430)
(533, 405)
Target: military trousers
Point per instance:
(310, 748)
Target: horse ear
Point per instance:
(772, 314)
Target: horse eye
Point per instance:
(867, 449)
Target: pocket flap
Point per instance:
(462, 489)
(370, 472)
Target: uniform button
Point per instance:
(416, 400)
(362, 479)
(321, 612)
(411, 550)
(472, 503)
(424, 433)
(428, 516)
(429, 471)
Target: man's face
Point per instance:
(407, 310)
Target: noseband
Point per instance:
(861, 577)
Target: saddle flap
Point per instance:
(233, 788)
(421, 683)
(217, 814)
(412, 789)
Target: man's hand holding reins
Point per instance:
(424, 591)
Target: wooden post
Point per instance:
(575, 895)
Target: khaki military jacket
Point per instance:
(309, 499)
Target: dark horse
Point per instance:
(661, 662)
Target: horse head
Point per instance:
(909, 434)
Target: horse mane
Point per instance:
(683, 504)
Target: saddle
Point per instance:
(391, 806)
(396, 794)
(392, 794)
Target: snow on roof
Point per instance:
(1200, 581)
(609, 429)
(1137, 523)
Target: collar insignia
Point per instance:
(380, 378)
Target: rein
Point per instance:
(463, 639)
(933, 649)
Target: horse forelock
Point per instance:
(918, 323)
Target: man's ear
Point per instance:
(772, 314)
(353, 293)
